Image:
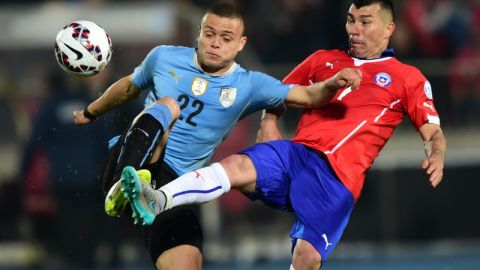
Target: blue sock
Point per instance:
(161, 113)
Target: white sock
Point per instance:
(203, 185)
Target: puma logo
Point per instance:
(78, 53)
(153, 184)
(326, 241)
(175, 77)
(198, 175)
(330, 65)
(430, 106)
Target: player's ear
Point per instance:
(243, 41)
(199, 28)
(390, 27)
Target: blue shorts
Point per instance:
(293, 177)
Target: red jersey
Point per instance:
(353, 128)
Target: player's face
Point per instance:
(369, 29)
(219, 41)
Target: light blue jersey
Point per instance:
(210, 105)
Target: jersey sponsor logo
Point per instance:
(227, 96)
(383, 79)
(199, 86)
(327, 244)
(427, 88)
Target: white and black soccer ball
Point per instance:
(83, 48)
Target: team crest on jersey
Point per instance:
(383, 79)
(227, 96)
(427, 88)
(199, 86)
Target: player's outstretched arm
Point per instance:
(319, 94)
(117, 94)
(435, 148)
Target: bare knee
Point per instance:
(240, 171)
(183, 257)
(172, 105)
(305, 256)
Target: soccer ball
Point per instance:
(83, 48)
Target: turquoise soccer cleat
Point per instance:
(142, 197)
(116, 201)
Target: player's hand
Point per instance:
(347, 77)
(79, 118)
(268, 131)
(433, 166)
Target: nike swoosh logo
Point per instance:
(79, 54)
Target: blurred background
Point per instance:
(51, 205)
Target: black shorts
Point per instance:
(175, 227)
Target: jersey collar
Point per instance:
(390, 52)
(226, 73)
(386, 55)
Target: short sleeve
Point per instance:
(419, 101)
(143, 74)
(267, 92)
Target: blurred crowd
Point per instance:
(49, 172)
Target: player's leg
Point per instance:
(205, 184)
(290, 176)
(305, 256)
(147, 130)
(322, 205)
(241, 172)
(175, 238)
(141, 145)
(196, 187)
(117, 157)
(208, 183)
(184, 257)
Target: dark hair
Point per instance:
(386, 5)
(226, 9)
